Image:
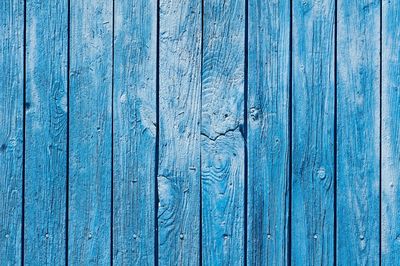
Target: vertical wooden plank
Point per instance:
(313, 88)
(222, 142)
(11, 128)
(134, 131)
(390, 132)
(90, 132)
(46, 131)
(179, 140)
(268, 138)
(358, 129)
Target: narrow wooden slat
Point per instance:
(89, 232)
(313, 88)
(222, 142)
(134, 131)
(46, 131)
(11, 128)
(268, 132)
(358, 129)
(390, 133)
(179, 140)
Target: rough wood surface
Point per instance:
(179, 122)
(11, 129)
(313, 107)
(89, 232)
(222, 129)
(358, 132)
(390, 201)
(134, 119)
(192, 132)
(268, 132)
(46, 132)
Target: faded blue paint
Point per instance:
(90, 145)
(46, 132)
(107, 176)
(358, 132)
(11, 129)
(222, 142)
(390, 196)
(268, 132)
(313, 110)
(134, 118)
(179, 132)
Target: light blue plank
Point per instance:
(89, 232)
(313, 88)
(179, 139)
(358, 132)
(268, 132)
(11, 129)
(222, 142)
(46, 132)
(134, 131)
(390, 133)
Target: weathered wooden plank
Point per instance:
(89, 232)
(313, 88)
(222, 142)
(358, 132)
(46, 131)
(268, 132)
(11, 128)
(390, 133)
(134, 131)
(179, 139)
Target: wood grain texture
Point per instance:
(192, 132)
(268, 132)
(179, 139)
(313, 88)
(89, 232)
(358, 132)
(11, 129)
(222, 142)
(134, 131)
(390, 133)
(46, 132)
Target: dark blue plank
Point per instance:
(90, 98)
(313, 98)
(134, 119)
(11, 128)
(390, 243)
(46, 132)
(222, 142)
(268, 132)
(179, 123)
(358, 132)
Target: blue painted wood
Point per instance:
(183, 202)
(11, 129)
(268, 132)
(358, 132)
(390, 201)
(179, 132)
(90, 98)
(46, 132)
(134, 119)
(222, 142)
(313, 98)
